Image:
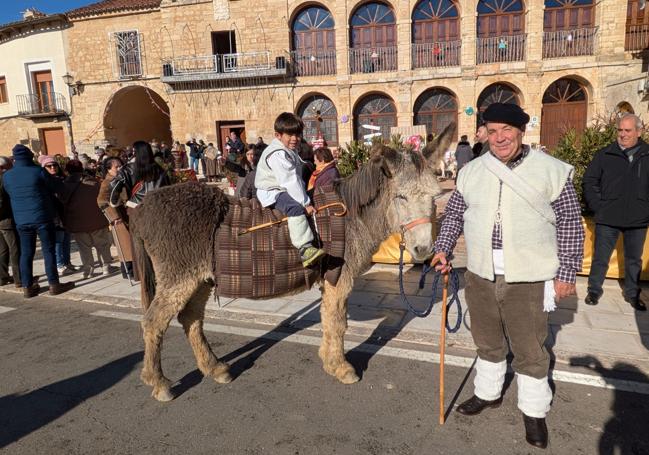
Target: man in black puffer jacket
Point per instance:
(616, 188)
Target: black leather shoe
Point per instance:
(636, 303)
(475, 405)
(591, 299)
(536, 432)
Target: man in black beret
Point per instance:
(521, 220)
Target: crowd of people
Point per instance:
(87, 200)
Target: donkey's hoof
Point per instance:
(223, 378)
(162, 394)
(346, 374)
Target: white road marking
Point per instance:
(6, 309)
(410, 354)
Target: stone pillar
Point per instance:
(404, 36)
(468, 33)
(611, 30)
(404, 103)
(534, 30)
(342, 39)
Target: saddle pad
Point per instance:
(264, 263)
(259, 264)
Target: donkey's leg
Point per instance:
(333, 312)
(191, 318)
(167, 303)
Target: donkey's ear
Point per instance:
(436, 148)
(385, 158)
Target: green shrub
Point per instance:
(351, 157)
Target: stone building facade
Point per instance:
(34, 99)
(202, 68)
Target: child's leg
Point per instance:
(298, 225)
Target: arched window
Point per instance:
(376, 110)
(314, 42)
(565, 106)
(373, 39)
(436, 108)
(320, 119)
(568, 14)
(501, 31)
(637, 26)
(496, 93)
(435, 34)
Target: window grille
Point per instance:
(129, 57)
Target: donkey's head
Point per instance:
(410, 190)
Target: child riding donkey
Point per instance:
(280, 186)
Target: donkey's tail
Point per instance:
(145, 271)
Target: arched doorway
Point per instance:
(373, 39)
(136, 113)
(435, 34)
(320, 119)
(314, 42)
(436, 108)
(568, 28)
(376, 110)
(501, 31)
(565, 106)
(496, 93)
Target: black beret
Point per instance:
(510, 114)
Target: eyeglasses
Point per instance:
(52, 165)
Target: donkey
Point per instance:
(172, 233)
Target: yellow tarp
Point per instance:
(388, 253)
(616, 265)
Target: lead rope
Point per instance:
(454, 282)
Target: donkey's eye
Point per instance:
(401, 196)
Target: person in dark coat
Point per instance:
(325, 172)
(9, 247)
(463, 153)
(31, 189)
(616, 189)
(248, 189)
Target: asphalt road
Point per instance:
(69, 383)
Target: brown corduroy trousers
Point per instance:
(502, 311)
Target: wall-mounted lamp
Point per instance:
(75, 87)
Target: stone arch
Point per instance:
(498, 92)
(136, 113)
(436, 108)
(565, 106)
(624, 107)
(320, 118)
(377, 109)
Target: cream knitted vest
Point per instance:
(529, 240)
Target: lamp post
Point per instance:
(73, 89)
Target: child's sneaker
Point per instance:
(310, 254)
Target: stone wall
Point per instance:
(183, 28)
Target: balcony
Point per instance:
(372, 59)
(498, 49)
(569, 43)
(636, 38)
(436, 55)
(313, 63)
(226, 66)
(42, 105)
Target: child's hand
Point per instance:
(310, 210)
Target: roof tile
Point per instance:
(110, 6)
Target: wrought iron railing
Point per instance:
(130, 67)
(241, 62)
(509, 48)
(313, 63)
(636, 38)
(439, 54)
(372, 59)
(569, 43)
(50, 103)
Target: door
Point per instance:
(564, 107)
(224, 129)
(53, 140)
(43, 91)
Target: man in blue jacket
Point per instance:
(30, 190)
(616, 188)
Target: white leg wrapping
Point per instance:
(300, 231)
(489, 379)
(534, 396)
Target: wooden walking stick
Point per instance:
(340, 205)
(442, 347)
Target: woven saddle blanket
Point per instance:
(263, 263)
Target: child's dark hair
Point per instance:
(289, 123)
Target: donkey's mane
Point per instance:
(361, 189)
